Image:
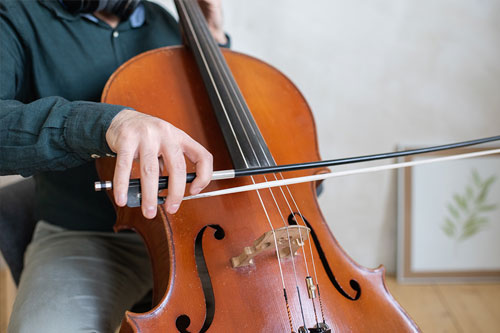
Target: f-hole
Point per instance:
(353, 283)
(183, 321)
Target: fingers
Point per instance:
(121, 177)
(150, 171)
(212, 10)
(203, 161)
(158, 145)
(176, 166)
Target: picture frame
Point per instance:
(449, 219)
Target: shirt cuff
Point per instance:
(228, 43)
(86, 126)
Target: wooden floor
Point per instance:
(7, 294)
(461, 308)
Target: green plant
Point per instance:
(466, 211)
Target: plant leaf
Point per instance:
(490, 180)
(453, 211)
(461, 202)
(469, 232)
(471, 222)
(485, 189)
(466, 209)
(470, 227)
(448, 227)
(481, 221)
(487, 208)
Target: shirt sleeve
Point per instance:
(50, 133)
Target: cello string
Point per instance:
(268, 162)
(303, 251)
(310, 250)
(241, 104)
(291, 254)
(221, 69)
(216, 57)
(302, 218)
(305, 179)
(227, 82)
(301, 240)
(214, 54)
(207, 68)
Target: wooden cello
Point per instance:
(261, 261)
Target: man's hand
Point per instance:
(157, 144)
(212, 9)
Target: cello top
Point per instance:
(291, 274)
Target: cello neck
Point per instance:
(243, 138)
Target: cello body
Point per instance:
(196, 288)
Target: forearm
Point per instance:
(51, 134)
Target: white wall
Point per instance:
(379, 73)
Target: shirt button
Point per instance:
(116, 34)
(95, 156)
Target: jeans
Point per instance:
(79, 281)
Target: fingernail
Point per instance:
(173, 208)
(122, 199)
(151, 211)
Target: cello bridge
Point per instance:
(288, 240)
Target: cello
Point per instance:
(260, 261)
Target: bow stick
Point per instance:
(134, 184)
(305, 179)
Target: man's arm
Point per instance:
(55, 134)
(50, 133)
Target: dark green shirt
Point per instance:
(53, 67)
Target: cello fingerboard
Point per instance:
(244, 141)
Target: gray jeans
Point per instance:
(79, 281)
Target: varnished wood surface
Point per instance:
(7, 295)
(165, 83)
